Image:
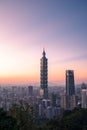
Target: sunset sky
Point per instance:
(28, 26)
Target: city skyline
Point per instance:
(26, 27)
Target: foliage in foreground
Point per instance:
(23, 113)
(70, 120)
(7, 122)
(20, 117)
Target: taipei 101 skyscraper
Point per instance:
(44, 76)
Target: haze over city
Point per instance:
(28, 26)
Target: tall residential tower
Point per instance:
(44, 75)
(70, 89)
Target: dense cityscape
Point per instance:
(47, 101)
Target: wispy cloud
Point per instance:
(71, 59)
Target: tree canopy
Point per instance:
(23, 113)
(21, 117)
(7, 122)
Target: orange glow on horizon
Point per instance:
(58, 78)
(18, 79)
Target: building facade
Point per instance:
(30, 90)
(44, 76)
(84, 98)
(70, 89)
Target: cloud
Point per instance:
(72, 59)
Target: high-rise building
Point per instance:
(53, 99)
(46, 103)
(63, 101)
(44, 76)
(49, 112)
(30, 90)
(83, 96)
(70, 87)
(72, 102)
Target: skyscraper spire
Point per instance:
(44, 54)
